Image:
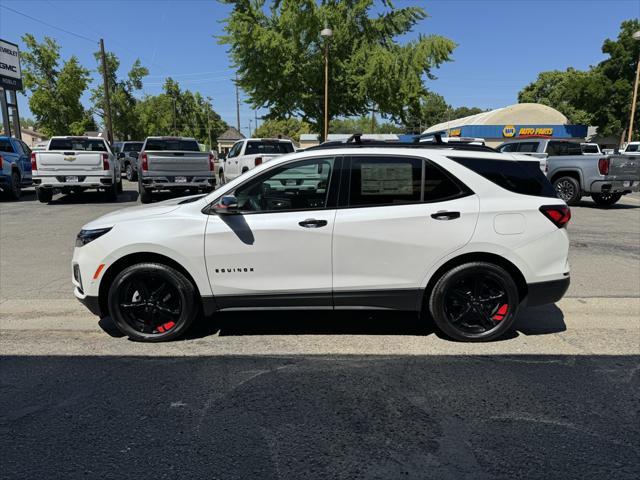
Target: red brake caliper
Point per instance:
(500, 314)
(165, 327)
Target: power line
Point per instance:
(92, 40)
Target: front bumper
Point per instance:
(92, 303)
(615, 186)
(546, 292)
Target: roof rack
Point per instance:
(356, 141)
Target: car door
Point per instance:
(398, 217)
(231, 168)
(277, 251)
(25, 160)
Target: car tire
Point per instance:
(112, 192)
(474, 302)
(221, 177)
(130, 174)
(168, 302)
(568, 189)
(120, 187)
(15, 189)
(44, 195)
(145, 194)
(606, 199)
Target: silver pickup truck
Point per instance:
(605, 178)
(175, 164)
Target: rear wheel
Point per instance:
(152, 302)
(474, 302)
(44, 195)
(130, 174)
(15, 189)
(112, 192)
(221, 177)
(568, 189)
(606, 199)
(145, 194)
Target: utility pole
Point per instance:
(250, 128)
(237, 104)
(373, 118)
(174, 115)
(634, 101)
(209, 128)
(107, 101)
(326, 33)
(255, 114)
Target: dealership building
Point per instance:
(523, 120)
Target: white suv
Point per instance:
(460, 232)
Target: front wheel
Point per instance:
(152, 302)
(568, 189)
(130, 174)
(606, 199)
(474, 302)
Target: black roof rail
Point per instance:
(356, 141)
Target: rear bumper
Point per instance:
(615, 186)
(84, 181)
(546, 292)
(169, 182)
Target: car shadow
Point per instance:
(541, 320)
(93, 197)
(616, 206)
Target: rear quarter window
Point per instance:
(523, 177)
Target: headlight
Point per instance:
(86, 236)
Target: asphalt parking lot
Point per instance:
(311, 394)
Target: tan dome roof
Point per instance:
(518, 114)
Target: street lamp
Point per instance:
(636, 36)
(326, 33)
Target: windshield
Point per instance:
(266, 147)
(78, 144)
(172, 144)
(132, 147)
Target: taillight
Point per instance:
(257, 161)
(603, 166)
(34, 164)
(105, 161)
(558, 214)
(212, 163)
(145, 161)
(1, 162)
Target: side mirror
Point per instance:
(227, 205)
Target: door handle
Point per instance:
(444, 215)
(312, 223)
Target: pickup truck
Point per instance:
(605, 178)
(251, 152)
(175, 164)
(75, 164)
(127, 153)
(633, 148)
(15, 166)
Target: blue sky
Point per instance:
(502, 45)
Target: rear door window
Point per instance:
(440, 186)
(524, 177)
(559, 148)
(527, 147)
(171, 144)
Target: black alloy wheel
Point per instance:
(130, 174)
(152, 302)
(474, 302)
(568, 189)
(606, 199)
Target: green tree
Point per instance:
(178, 112)
(55, 91)
(599, 96)
(433, 109)
(362, 125)
(279, 55)
(124, 119)
(27, 122)
(287, 127)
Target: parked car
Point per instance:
(591, 149)
(127, 153)
(249, 153)
(575, 174)
(15, 166)
(457, 232)
(75, 164)
(175, 164)
(633, 148)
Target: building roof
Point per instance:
(231, 133)
(519, 114)
(33, 133)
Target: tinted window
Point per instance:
(385, 181)
(555, 148)
(78, 144)
(632, 148)
(528, 147)
(235, 150)
(521, 177)
(438, 185)
(171, 144)
(132, 147)
(590, 149)
(5, 146)
(301, 185)
(266, 147)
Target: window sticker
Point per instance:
(386, 179)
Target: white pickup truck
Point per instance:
(251, 152)
(75, 164)
(175, 164)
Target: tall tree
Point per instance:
(288, 127)
(599, 96)
(279, 55)
(122, 96)
(55, 91)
